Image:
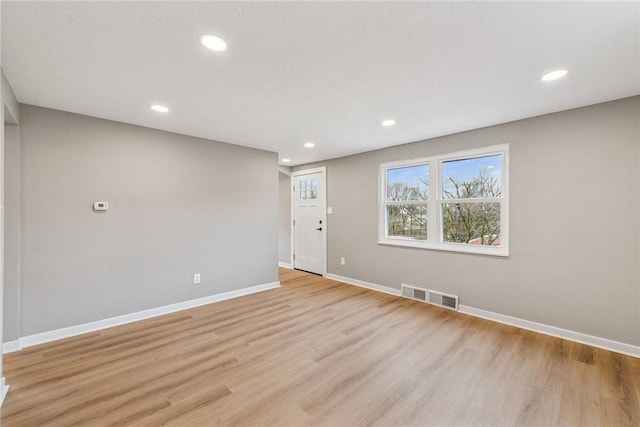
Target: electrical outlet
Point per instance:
(342, 261)
(196, 278)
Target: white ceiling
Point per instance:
(327, 72)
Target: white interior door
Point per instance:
(310, 222)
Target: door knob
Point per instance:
(319, 229)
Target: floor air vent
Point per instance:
(443, 300)
(414, 293)
(432, 297)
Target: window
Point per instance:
(308, 189)
(406, 201)
(456, 202)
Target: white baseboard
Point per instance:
(71, 331)
(4, 388)
(363, 284)
(11, 346)
(618, 347)
(285, 265)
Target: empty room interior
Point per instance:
(320, 213)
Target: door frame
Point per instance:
(323, 171)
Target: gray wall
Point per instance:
(284, 219)
(11, 233)
(10, 102)
(178, 206)
(574, 223)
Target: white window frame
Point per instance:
(435, 200)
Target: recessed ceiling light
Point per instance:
(554, 75)
(213, 42)
(159, 108)
(286, 160)
(388, 122)
(309, 144)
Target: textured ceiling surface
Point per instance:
(327, 72)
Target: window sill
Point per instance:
(448, 247)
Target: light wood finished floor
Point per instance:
(318, 352)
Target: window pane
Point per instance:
(472, 178)
(410, 183)
(407, 221)
(313, 189)
(303, 189)
(471, 223)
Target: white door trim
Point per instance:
(323, 171)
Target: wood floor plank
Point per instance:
(322, 353)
